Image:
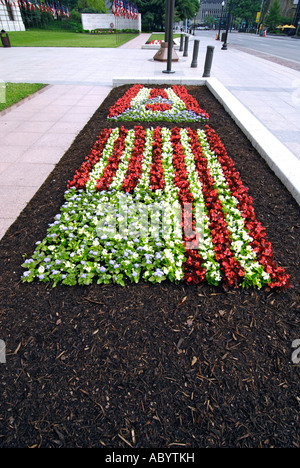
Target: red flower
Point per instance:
(158, 106)
(156, 92)
(125, 101)
(194, 272)
(232, 271)
(134, 170)
(260, 244)
(81, 176)
(113, 162)
(190, 102)
(156, 169)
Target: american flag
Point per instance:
(31, 5)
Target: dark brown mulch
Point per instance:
(151, 366)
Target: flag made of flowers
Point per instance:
(153, 205)
(172, 104)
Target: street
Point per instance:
(281, 47)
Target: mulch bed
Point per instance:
(157, 366)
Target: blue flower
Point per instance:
(158, 273)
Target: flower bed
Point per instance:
(173, 104)
(154, 42)
(156, 204)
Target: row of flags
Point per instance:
(125, 9)
(54, 8)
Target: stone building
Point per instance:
(214, 8)
(209, 8)
(288, 7)
(10, 16)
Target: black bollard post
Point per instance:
(208, 61)
(181, 42)
(167, 20)
(186, 46)
(194, 63)
(170, 36)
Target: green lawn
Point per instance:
(40, 38)
(12, 93)
(160, 37)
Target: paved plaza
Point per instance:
(35, 134)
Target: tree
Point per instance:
(153, 12)
(246, 10)
(273, 17)
(187, 8)
(96, 5)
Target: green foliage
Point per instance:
(246, 10)
(97, 6)
(187, 8)
(273, 17)
(15, 92)
(153, 12)
(39, 38)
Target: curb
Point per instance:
(283, 162)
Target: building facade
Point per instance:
(213, 8)
(209, 8)
(10, 16)
(288, 7)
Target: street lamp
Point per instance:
(224, 47)
(223, 4)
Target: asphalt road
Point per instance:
(280, 47)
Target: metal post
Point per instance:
(186, 46)
(195, 54)
(170, 36)
(208, 61)
(181, 42)
(224, 47)
(167, 20)
(223, 4)
(297, 16)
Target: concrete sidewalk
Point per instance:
(33, 138)
(35, 134)
(269, 90)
